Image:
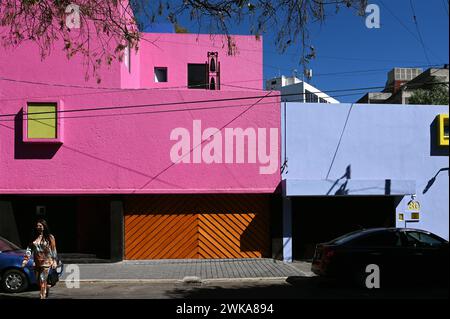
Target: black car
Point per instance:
(400, 254)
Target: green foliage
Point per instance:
(436, 95)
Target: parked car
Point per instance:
(14, 278)
(401, 254)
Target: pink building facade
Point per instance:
(177, 140)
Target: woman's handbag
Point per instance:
(54, 274)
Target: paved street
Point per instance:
(291, 288)
(217, 279)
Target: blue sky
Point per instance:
(344, 44)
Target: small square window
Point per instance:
(40, 123)
(160, 75)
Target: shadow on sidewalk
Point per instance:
(309, 288)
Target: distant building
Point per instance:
(295, 90)
(402, 82)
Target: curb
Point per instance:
(156, 281)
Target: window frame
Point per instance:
(59, 125)
(442, 139)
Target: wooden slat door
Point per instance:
(197, 226)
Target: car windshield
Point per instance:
(7, 245)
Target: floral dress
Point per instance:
(44, 253)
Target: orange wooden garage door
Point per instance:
(197, 226)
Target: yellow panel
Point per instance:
(443, 130)
(41, 125)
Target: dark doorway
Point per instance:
(59, 212)
(81, 225)
(321, 219)
(197, 76)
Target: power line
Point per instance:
(418, 31)
(187, 102)
(406, 27)
(171, 110)
(273, 52)
(340, 139)
(215, 100)
(366, 59)
(291, 54)
(163, 104)
(204, 141)
(116, 89)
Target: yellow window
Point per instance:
(443, 130)
(41, 121)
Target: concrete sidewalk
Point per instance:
(189, 270)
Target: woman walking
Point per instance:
(43, 249)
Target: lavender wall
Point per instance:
(378, 143)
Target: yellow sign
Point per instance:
(415, 216)
(414, 206)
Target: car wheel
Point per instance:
(14, 281)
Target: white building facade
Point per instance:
(295, 90)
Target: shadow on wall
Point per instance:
(433, 179)
(30, 151)
(342, 190)
(435, 148)
(255, 236)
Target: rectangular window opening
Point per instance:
(197, 76)
(41, 121)
(160, 75)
